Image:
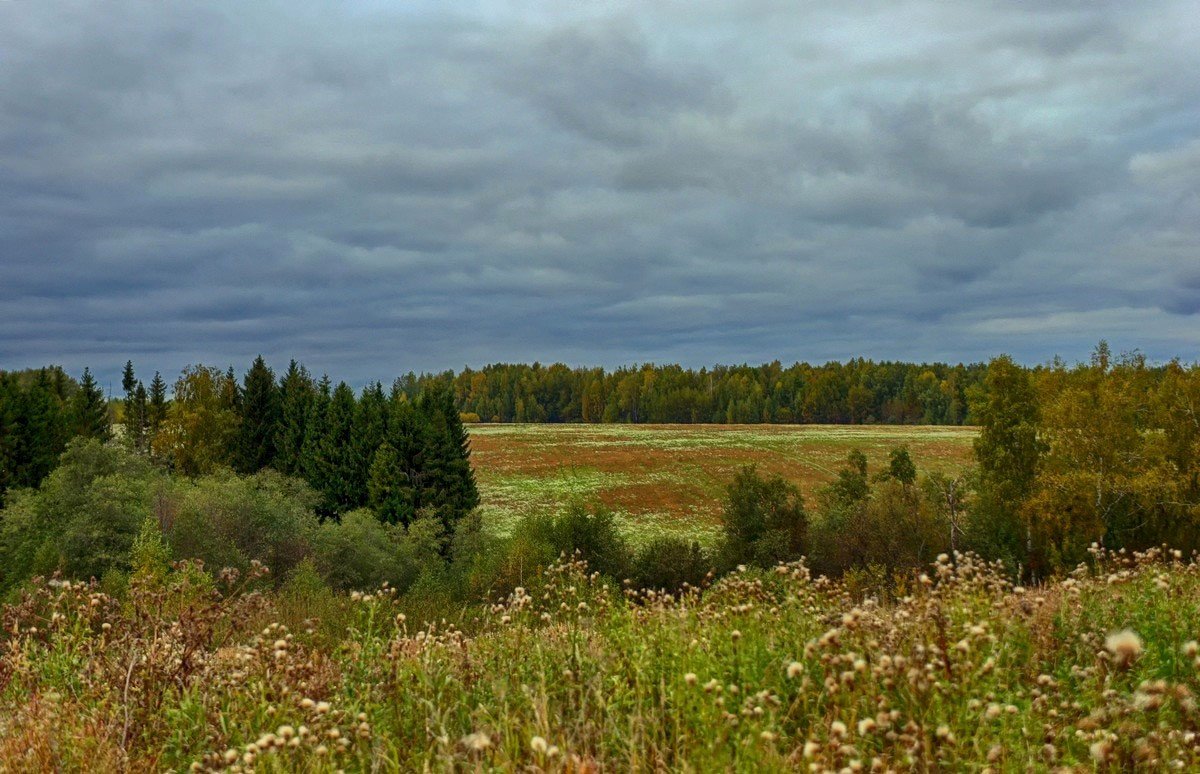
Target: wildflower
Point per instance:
(477, 742)
(1101, 750)
(866, 726)
(1125, 646)
(231, 755)
(690, 678)
(735, 635)
(538, 745)
(810, 749)
(322, 707)
(794, 670)
(768, 736)
(837, 728)
(285, 732)
(1191, 648)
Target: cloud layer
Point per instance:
(373, 187)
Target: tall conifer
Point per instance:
(89, 410)
(259, 425)
(296, 392)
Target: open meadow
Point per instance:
(670, 479)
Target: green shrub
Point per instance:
(228, 520)
(763, 519)
(362, 553)
(83, 518)
(667, 563)
(593, 534)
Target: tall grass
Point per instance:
(763, 671)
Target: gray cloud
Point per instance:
(385, 186)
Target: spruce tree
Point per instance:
(296, 392)
(133, 420)
(45, 430)
(89, 410)
(156, 408)
(447, 481)
(141, 417)
(345, 485)
(405, 439)
(370, 428)
(313, 465)
(10, 426)
(390, 494)
(259, 424)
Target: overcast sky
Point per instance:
(373, 187)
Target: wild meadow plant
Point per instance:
(760, 671)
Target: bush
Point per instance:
(667, 563)
(228, 520)
(82, 519)
(763, 519)
(362, 553)
(594, 534)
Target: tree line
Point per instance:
(854, 392)
(399, 453)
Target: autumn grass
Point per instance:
(764, 671)
(669, 479)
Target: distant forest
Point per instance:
(854, 392)
(858, 391)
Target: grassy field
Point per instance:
(669, 479)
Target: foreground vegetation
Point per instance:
(764, 670)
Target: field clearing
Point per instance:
(669, 479)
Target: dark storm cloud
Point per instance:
(382, 186)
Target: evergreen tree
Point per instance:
(10, 424)
(89, 410)
(46, 429)
(405, 440)
(260, 415)
(370, 427)
(447, 481)
(231, 393)
(390, 494)
(134, 411)
(296, 392)
(313, 465)
(156, 409)
(141, 417)
(128, 382)
(345, 483)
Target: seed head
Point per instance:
(477, 742)
(1125, 646)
